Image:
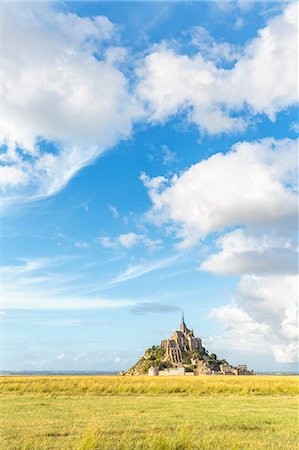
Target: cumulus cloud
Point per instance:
(171, 83)
(66, 101)
(214, 96)
(249, 197)
(251, 185)
(128, 240)
(240, 328)
(59, 88)
(243, 253)
(276, 47)
(264, 314)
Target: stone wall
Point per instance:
(173, 371)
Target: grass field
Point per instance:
(149, 413)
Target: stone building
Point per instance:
(181, 341)
(153, 371)
(227, 369)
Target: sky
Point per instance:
(148, 166)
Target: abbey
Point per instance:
(182, 341)
(183, 354)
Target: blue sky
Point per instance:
(149, 162)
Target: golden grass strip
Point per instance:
(117, 385)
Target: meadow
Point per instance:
(119, 413)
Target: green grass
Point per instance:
(149, 413)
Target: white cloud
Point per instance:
(212, 96)
(252, 185)
(141, 269)
(12, 176)
(107, 242)
(210, 48)
(248, 253)
(56, 89)
(15, 298)
(239, 324)
(81, 357)
(129, 240)
(81, 244)
(239, 23)
(276, 48)
(31, 265)
(117, 360)
(33, 285)
(113, 211)
(286, 353)
(268, 298)
(250, 194)
(263, 316)
(172, 83)
(295, 127)
(168, 156)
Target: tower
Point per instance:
(183, 325)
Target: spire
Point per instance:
(183, 325)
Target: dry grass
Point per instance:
(120, 413)
(118, 385)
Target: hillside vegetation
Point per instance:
(155, 357)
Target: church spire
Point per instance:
(183, 325)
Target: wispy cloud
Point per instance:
(32, 265)
(57, 322)
(33, 284)
(113, 211)
(129, 240)
(27, 266)
(147, 307)
(37, 300)
(81, 244)
(139, 270)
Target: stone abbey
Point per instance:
(182, 341)
(183, 354)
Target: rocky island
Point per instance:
(183, 354)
